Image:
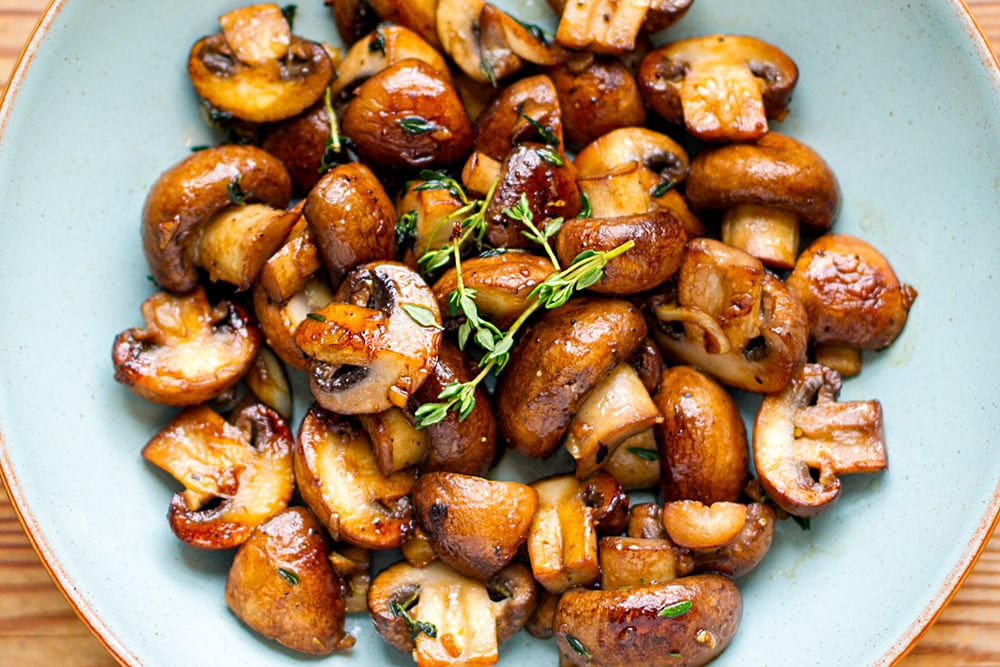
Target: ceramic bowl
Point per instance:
(902, 99)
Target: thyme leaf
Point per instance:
(234, 189)
(422, 315)
(416, 125)
(644, 454)
(288, 575)
(675, 610)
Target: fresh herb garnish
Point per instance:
(377, 43)
(544, 132)
(289, 576)
(235, 191)
(534, 31)
(675, 610)
(468, 222)
(488, 71)
(577, 646)
(438, 180)
(316, 317)
(402, 610)
(416, 125)
(644, 454)
(333, 153)
(662, 188)
(406, 231)
(521, 212)
(288, 11)
(199, 148)
(586, 210)
(803, 521)
(422, 315)
(550, 155)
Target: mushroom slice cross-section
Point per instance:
(721, 87)
(339, 479)
(256, 69)
(444, 618)
(804, 439)
(247, 466)
(189, 351)
(376, 343)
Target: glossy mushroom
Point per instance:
(256, 69)
(852, 297)
(766, 191)
(720, 87)
(189, 351)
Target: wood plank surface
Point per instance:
(38, 627)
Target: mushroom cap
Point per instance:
(193, 190)
(775, 171)
(850, 292)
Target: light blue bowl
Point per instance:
(903, 100)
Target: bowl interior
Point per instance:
(900, 98)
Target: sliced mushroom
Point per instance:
(246, 466)
(340, 481)
(804, 439)
(502, 283)
(638, 561)
(291, 267)
(189, 351)
(694, 525)
(687, 621)
(398, 444)
(467, 445)
(527, 110)
(256, 69)
(601, 26)
(730, 318)
(614, 410)
(283, 585)
(417, 15)
(474, 525)
(353, 564)
(767, 190)
(661, 15)
(507, 45)
(190, 192)
(563, 540)
(267, 380)
(596, 95)
(386, 45)
(702, 441)
(407, 116)
(434, 212)
(352, 218)
(636, 462)
(442, 617)
(744, 552)
(237, 241)
(375, 344)
(721, 87)
(280, 320)
(852, 297)
(458, 31)
(557, 361)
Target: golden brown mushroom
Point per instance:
(527, 110)
(193, 190)
(256, 69)
(804, 439)
(721, 87)
(283, 585)
(386, 45)
(852, 297)
(766, 191)
(189, 351)
(246, 466)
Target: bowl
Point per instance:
(903, 101)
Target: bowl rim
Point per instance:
(977, 542)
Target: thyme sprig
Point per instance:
(468, 223)
(585, 270)
(402, 610)
(522, 213)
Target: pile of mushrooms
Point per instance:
(381, 219)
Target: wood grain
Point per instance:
(38, 627)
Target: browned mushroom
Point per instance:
(804, 439)
(475, 525)
(721, 87)
(766, 190)
(744, 552)
(507, 45)
(280, 320)
(852, 297)
(661, 15)
(267, 380)
(638, 561)
(703, 449)
(467, 445)
(687, 621)
(352, 218)
(527, 110)
(694, 525)
(398, 444)
(189, 351)
(408, 115)
(256, 69)
(353, 564)
(357, 18)
(601, 26)
(283, 585)
(190, 192)
(246, 466)
(339, 479)
(293, 265)
(596, 95)
(443, 618)
(433, 208)
(729, 317)
(386, 45)
(556, 363)
(300, 142)
(375, 343)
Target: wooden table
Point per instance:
(38, 627)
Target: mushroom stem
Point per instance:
(844, 359)
(769, 234)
